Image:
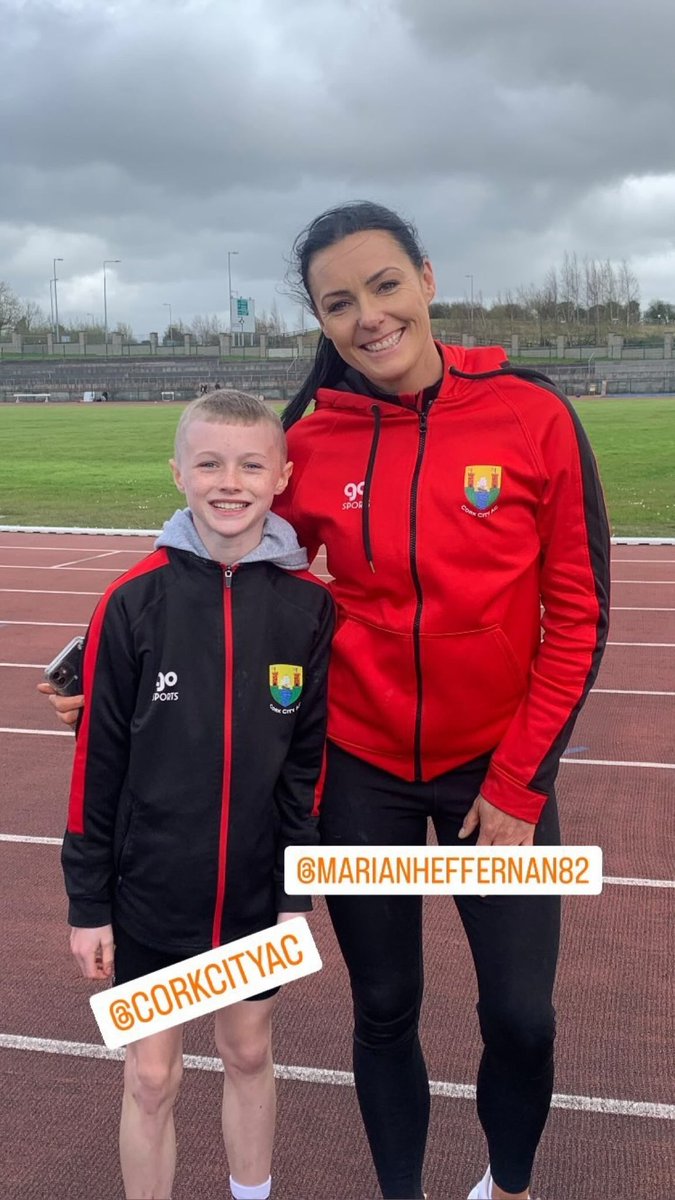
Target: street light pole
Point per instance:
(229, 287)
(471, 309)
(106, 263)
(56, 302)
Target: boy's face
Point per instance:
(230, 475)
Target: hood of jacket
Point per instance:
(462, 364)
(279, 544)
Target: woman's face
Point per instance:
(372, 302)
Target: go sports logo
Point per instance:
(165, 679)
(353, 491)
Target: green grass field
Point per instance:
(106, 465)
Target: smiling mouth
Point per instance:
(229, 505)
(387, 343)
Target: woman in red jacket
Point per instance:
(455, 497)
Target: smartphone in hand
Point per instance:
(64, 672)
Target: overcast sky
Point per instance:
(167, 132)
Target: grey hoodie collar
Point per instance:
(279, 545)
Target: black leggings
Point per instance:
(514, 943)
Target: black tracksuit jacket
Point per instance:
(195, 766)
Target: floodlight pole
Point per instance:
(167, 305)
(106, 263)
(471, 309)
(229, 288)
(56, 302)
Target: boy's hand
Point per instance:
(288, 916)
(93, 951)
(67, 707)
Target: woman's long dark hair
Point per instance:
(325, 230)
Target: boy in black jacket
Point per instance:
(199, 752)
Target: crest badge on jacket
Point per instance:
(482, 485)
(285, 684)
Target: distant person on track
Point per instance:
(181, 806)
(456, 497)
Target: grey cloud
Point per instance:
(165, 133)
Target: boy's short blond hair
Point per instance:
(228, 406)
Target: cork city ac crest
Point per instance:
(482, 485)
(285, 684)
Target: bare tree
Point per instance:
(33, 319)
(570, 287)
(629, 291)
(206, 328)
(593, 292)
(10, 307)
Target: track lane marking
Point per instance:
(38, 732)
(32, 666)
(619, 880)
(618, 762)
(49, 624)
(654, 645)
(619, 692)
(87, 558)
(43, 592)
(25, 567)
(298, 1074)
(86, 550)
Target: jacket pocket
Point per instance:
(372, 689)
(473, 684)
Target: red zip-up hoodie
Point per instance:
(451, 519)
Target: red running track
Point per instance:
(611, 1130)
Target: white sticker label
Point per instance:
(206, 982)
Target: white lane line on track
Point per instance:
(87, 550)
(657, 645)
(28, 666)
(25, 838)
(38, 732)
(44, 592)
(23, 567)
(455, 1091)
(651, 582)
(616, 559)
(49, 624)
(88, 558)
(619, 692)
(617, 762)
(626, 881)
(637, 608)
(621, 881)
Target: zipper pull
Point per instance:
(423, 420)
(227, 572)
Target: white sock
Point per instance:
(259, 1191)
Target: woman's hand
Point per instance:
(497, 828)
(93, 951)
(67, 707)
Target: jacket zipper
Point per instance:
(227, 755)
(417, 623)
